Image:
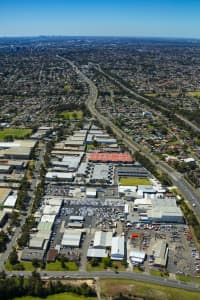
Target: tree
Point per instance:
(35, 263)
(94, 262)
(13, 257)
(107, 262)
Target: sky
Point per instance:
(149, 18)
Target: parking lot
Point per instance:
(183, 257)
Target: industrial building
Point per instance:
(113, 157)
(60, 176)
(137, 256)
(71, 238)
(102, 239)
(96, 253)
(160, 253)
(91, 192)
(159, 210)
(117, 248)
(101, 173)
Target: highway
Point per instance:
(189, 193)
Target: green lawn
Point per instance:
(62, 296)
(158, 273)
(131, 181)
(151, 95)
(116, 265)
(100, 267)
(72, 115)
(184, 278)
(26, 264)
(15, 133)
(113, 287)
(56, 266)
(193, 94)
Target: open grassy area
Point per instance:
(100, 267)
(56, 266)
(26, 264)
(158, 273)
(134, 181)
(15, 133)
(116, 265)
(151, 95)
(72, 115)
(115, 287)
(184, 278)
(193, 94)
(62, 296)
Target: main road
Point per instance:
(192, 286)
(189, 193)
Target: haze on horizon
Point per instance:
(149, 18)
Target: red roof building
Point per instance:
(110, 157)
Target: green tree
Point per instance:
(13, 257)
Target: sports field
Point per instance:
(72, 115)
(15, 133)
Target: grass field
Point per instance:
(26, 264)
(184, 278)
(193, 94)
(151, 95)
(15, 133)
(113, 287)
(134, 181)
(63, 296)
(72, 115)
(70, 266)
(116, 265)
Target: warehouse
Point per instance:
(30, 254)
(53, 201)
(36, 242)
(165, 211)
(96, 253)
(76, 218)
(102, 239)
(71, 238)
(110, 157)
(75, 225)
(101, 173)
(51, 210)
(52, 176)
(91, 192)
(146, 191)
(11, 200)
(117, 248)
(137, 257)
(160, 253)
(18, 153)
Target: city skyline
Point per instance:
(100, 18)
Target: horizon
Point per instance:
(144, 18)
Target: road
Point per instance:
(111, 274)
(189, 193)
(4, 256)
